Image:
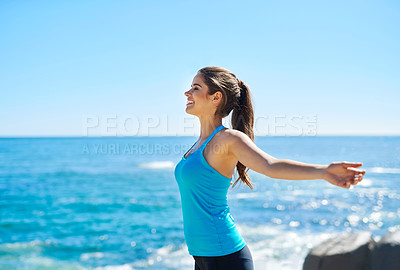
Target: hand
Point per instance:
(343, 174)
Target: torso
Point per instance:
(204, 181)
(220, 159)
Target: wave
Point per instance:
(279, 247)
(158, 165)
(168, 257)
(115, 267)
(28, 255)
(272, 247)
(248, 195)
(384, 170)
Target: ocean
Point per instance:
(113, 203)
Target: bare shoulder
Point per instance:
(232, 136)
(234, 139)
(244, 150)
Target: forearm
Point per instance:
(295, 170)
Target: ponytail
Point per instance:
(243, 119)
(236, 99)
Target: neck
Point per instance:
(208, 124)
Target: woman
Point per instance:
(204, 173)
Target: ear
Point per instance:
(217, 96)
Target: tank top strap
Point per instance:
(211, 136)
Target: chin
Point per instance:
(188, 111)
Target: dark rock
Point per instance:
(386, 253)
(344, 252)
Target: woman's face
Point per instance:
(199, 102)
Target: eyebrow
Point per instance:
(196, 84)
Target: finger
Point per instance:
(354, 180)
(352, 164)
(358, 178)
(356, 170)
(361, 172)
(358, 174)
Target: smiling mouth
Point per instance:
(189, 103)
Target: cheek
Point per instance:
(201, 97)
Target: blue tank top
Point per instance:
(209, 228)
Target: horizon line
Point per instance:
(158, 136)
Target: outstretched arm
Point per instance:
(342, 174)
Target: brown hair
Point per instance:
(236, 98)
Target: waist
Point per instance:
(212, 235)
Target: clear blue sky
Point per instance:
(63, 62)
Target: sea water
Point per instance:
(113, 203)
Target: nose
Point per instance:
(187, 93)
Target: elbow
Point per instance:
(269, 170)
